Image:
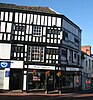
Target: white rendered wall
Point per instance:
(5, 50)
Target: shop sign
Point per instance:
(7, 73)
(72, 69)
(42, 67)
(4, 64)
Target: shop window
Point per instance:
(67, 81)
(36, 80)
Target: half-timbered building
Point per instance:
(36, 44)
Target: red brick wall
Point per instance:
(86, 49)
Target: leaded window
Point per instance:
(35, 53)
(37, 31)
(37, 34)
(53, 36)
(52, 55)
(18, 32)
(17, 52)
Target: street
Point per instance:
(46, 96)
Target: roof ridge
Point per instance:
(29, 8)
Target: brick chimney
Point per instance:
(86, 49)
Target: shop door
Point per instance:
(16, 79)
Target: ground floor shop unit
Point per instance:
(34, 78)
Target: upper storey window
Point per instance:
(53, 36)
(65, 35)
(37, 31)
(19, 27)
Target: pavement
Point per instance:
(41, 96)
(81, 93)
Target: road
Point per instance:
(46, 97)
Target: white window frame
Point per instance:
(36, 48)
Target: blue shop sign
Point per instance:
(4, 64)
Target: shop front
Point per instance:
(40, 78)
(71, 80)
(47, 79)
(43, 78)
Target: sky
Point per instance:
(78, 11)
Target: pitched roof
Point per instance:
(28, 8)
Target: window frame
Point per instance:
(37, 31)
(34, 52)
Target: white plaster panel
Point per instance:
(9, 27)
(30, 31)
(44, 30)
(45, 20)
(42, 20)
(24, 18)
(59, 22)
(28, 18)
(10, 16)
(49, 21)
(30, 38)
(27, 29)
(31, 19)
(16, 64)
(38, 21)
(53, 21)
(2, 26)
(5, 50)
(24, 82)
(20, 17)
(1, 35)
(2, 15)
(16, 17)
(4, 36)
(35, 18)
(6, 16)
